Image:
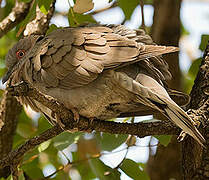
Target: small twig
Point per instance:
(14, 171)
(16, 155)
(141, 2)
(113, 5)
(89, 158)
(9, 112)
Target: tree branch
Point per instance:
(138, 129)
(195, 158)
(18, 13)
(10, 108)
(41, 23)
(9, 112)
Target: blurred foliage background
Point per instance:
(99, 155)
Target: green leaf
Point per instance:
(8, 178)
(164, 139)
(32, 169)
(43, 146)
(53, 158)
(7, 9)
(84, 170)
(204, 41)
(194, 68)
(108, 142)
(25, 1)
(103, 171)
(43, 124)
(21, 175)
(184, 31)
(134, 170)
(30, 156)
(44, 5)
(128, 7)
(76, 19)
(25, 130)
(30, 16)
(65, 139)
(25, 127)
(148, 2)
(51, 28)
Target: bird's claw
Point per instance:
(181, 136)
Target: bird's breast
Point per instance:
(98, 99)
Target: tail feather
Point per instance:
(180, 118)
(155, 96)
(149, 51)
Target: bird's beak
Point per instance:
(7, 75)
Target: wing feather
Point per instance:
(76, 56)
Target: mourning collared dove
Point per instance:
(100, 71)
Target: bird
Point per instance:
(99, 72)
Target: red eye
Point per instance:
(20, 53)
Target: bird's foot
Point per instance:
(196, 118)
(196, 123)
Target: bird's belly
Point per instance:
(95, 100)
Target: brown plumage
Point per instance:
(101, 71)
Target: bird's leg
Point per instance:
(76, 115)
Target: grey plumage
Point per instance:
(100, 71)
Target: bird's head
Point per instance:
(19, 54)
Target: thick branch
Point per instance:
(195, 158)
(15, 17)
(10, 108)
(138, 129)
(9, 111)
(15, 156)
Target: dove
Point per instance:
(99, 72)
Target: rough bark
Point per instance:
(166, 30)
(9, 112)
(15, 17)
(195, 158)
(10, 108)
(41, 23)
